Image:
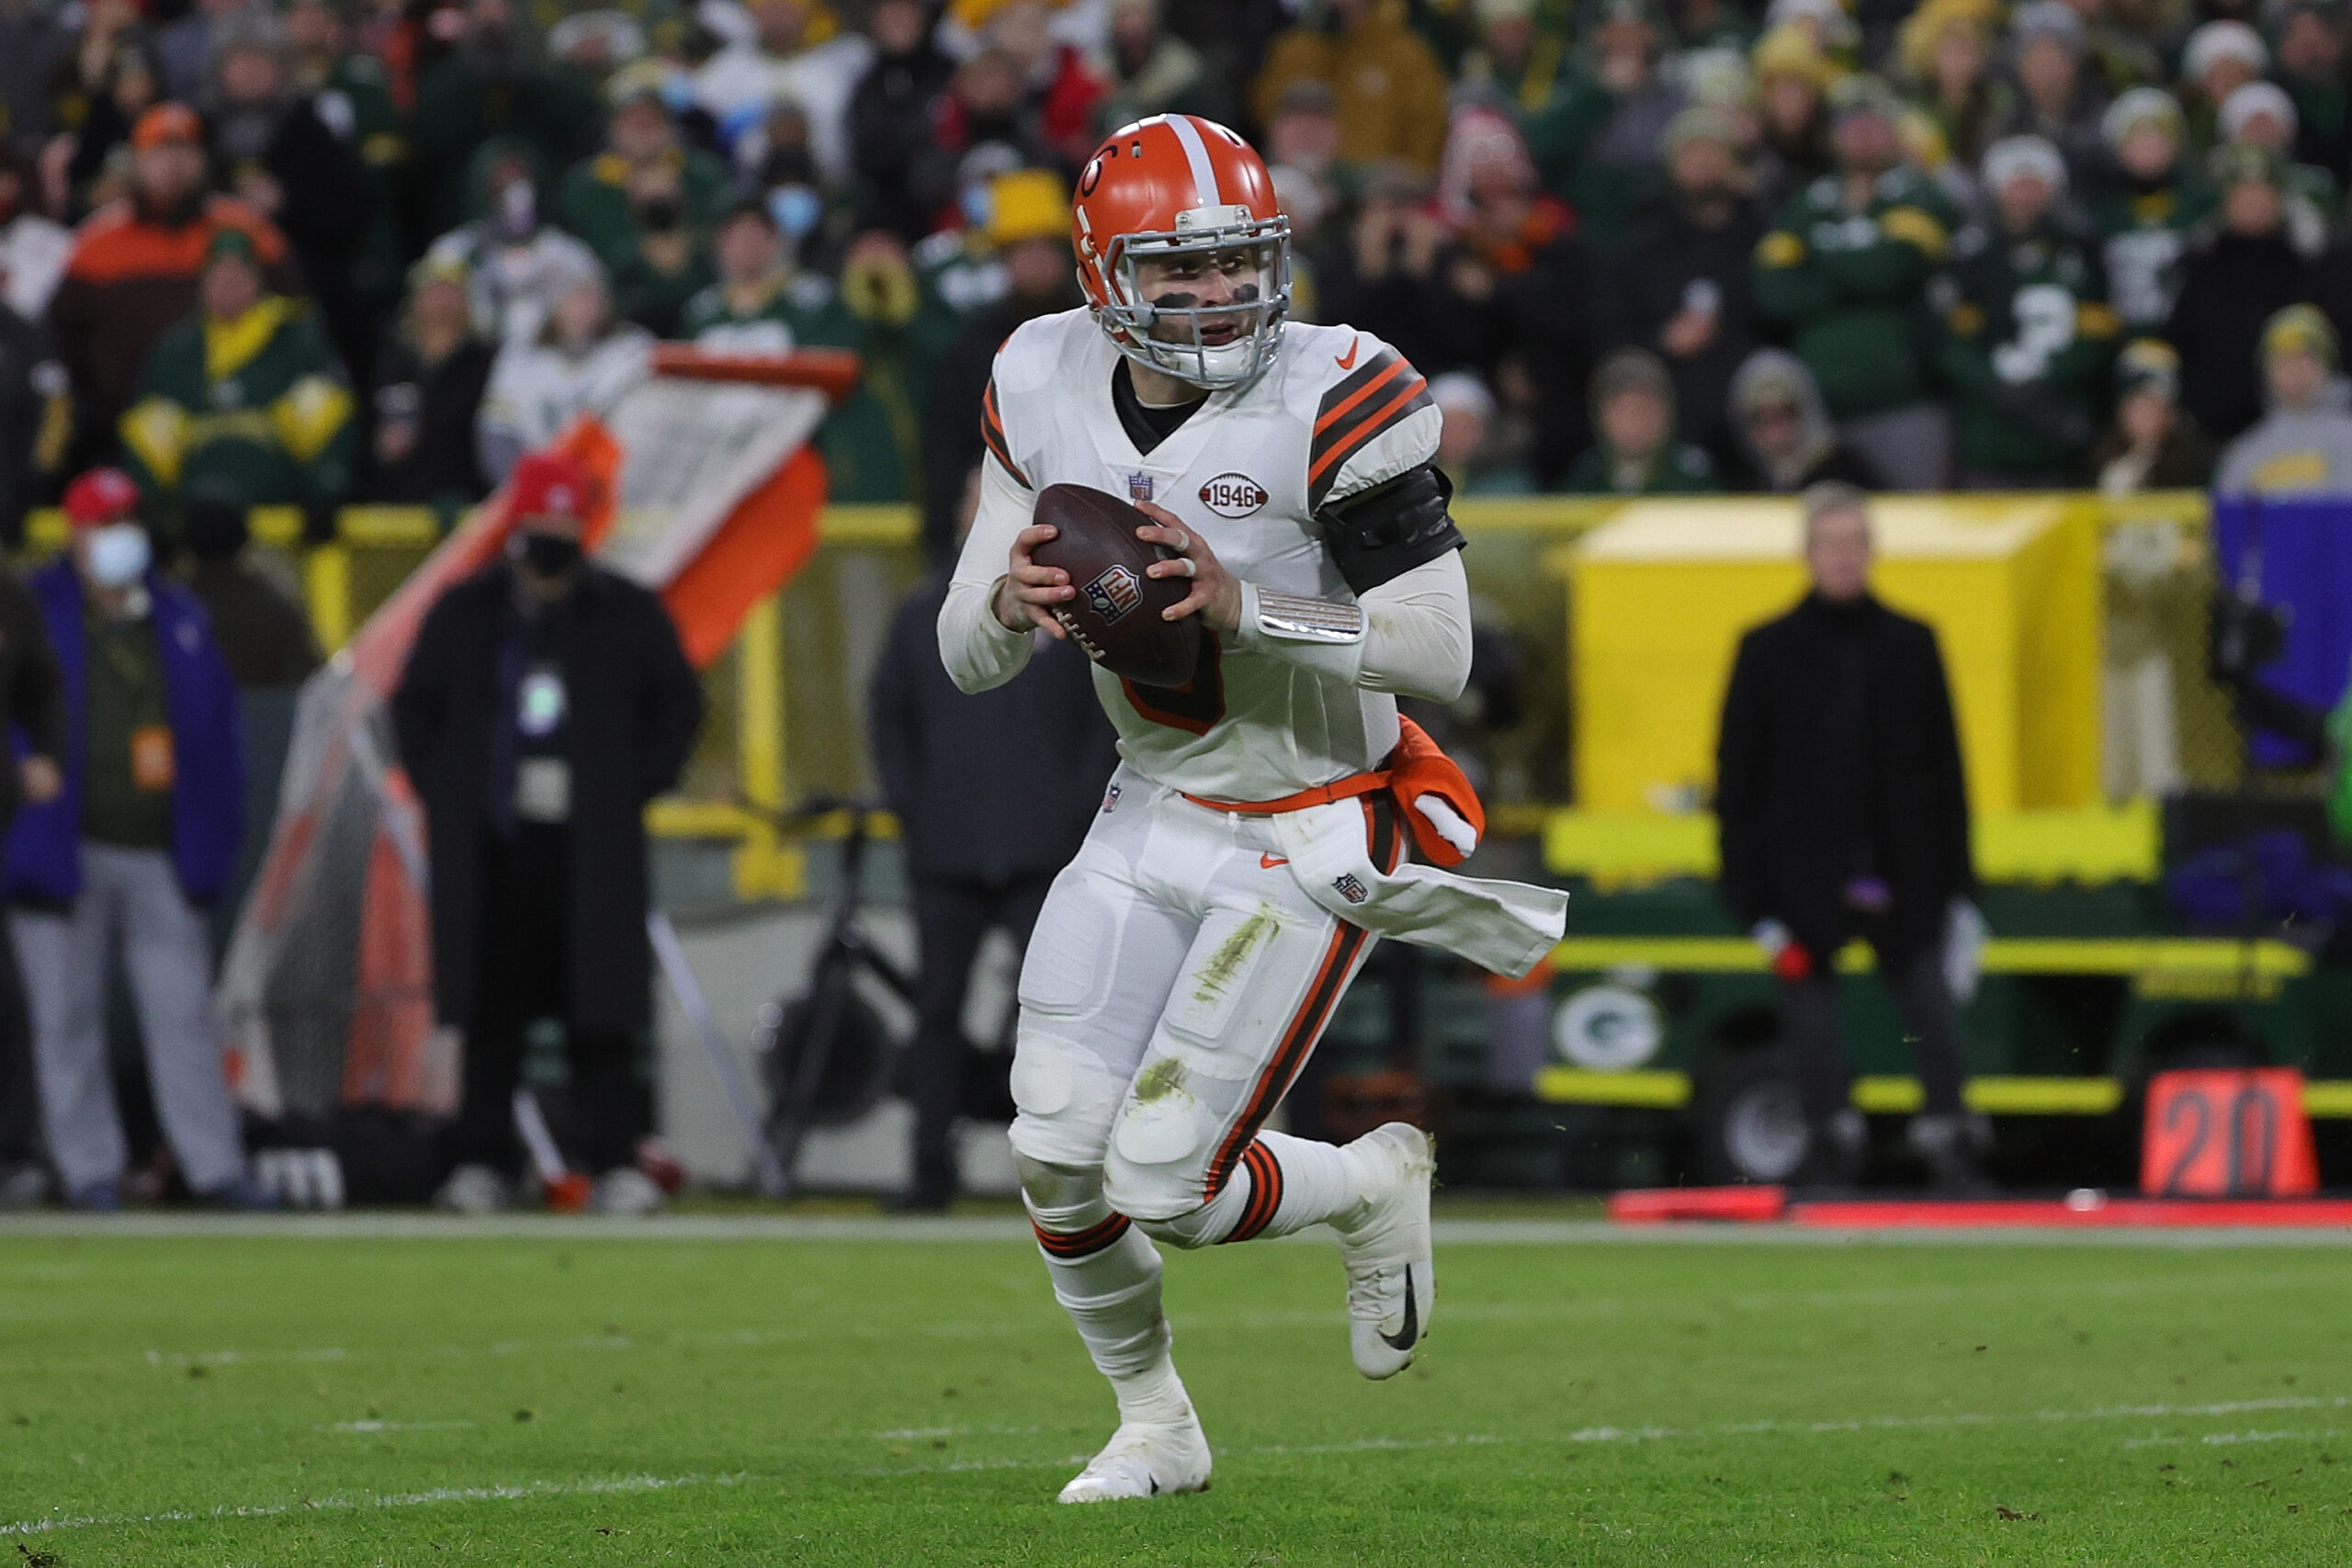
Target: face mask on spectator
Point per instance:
(661, 214)
(796, 210)
(549, 555)
(118, 554)
(518, 211)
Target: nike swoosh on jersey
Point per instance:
(1404, 1337)
(1267, 863)
(1349, 362)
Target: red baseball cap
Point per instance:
(548, 484)
(102, 495)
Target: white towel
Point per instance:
(1505, 927)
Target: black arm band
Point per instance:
(1378, 534)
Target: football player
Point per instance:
(1253, 844)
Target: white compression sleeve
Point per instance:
(979, 650)
(1416, 640)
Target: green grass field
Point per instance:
(561, 1397)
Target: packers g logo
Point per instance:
(1233, 495)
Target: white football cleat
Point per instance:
(1145, 1459)
(1391, 1285)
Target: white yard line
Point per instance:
(406, 1226)
(1769, 1427)
(534, 1490)
(345, 1502)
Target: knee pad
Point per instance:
(1062, 1198)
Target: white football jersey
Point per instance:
(1338, 411)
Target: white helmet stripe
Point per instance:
(1196, 154)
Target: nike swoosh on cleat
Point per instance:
(1406, 1337)
(1267, 863)
(1349, 362)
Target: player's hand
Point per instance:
(1217, 593)
(1026, 595)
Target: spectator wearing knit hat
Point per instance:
(2057, 100)
(1682, 286)
(2303, 448)
(134, 269)
(1792, 82)
(2030, 337)
(1787, 441)
(245, 394)
(2220, 58)
(1636, 451)
(2154, 443)
(2148, 205)
(2260, 114)
(2232, 281)
(1846, 271)
(143, 832)
(545, 703)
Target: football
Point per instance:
(1116, 616)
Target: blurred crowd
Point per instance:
(375, 250)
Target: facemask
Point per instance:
(796, 210)
(549, 555)
(118, 554)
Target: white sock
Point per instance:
(1282, 1184)
(1107, 1277)
(1155, 1395)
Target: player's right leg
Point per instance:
(1100, 964)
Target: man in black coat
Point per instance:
(1843, 813)
(545, 703)
(993, 794)
(1680, 289)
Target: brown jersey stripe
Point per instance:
(1407, 400)
(992, 435)
(1347, 394)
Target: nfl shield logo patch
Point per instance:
(1114, 593)
(1353, 891)
(1139, 487)
(1111, 796)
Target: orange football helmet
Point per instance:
(1178, 185)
